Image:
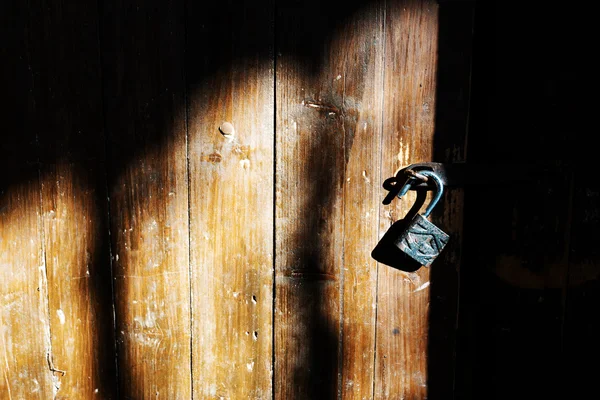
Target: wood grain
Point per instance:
(80, 296)
(310, 165)
(329, 70)
(24, 325)
(69, 127)
(25, 337)
(411, 30)
(144, 94)
(196, 251)
(361, 65)
(231, 198)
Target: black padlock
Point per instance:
(421, 239)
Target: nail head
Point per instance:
(227, 129)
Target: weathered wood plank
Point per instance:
(79, 284)
(411, 34)
(143, 65)
(24, 325)
(25, 336)
(329, 70)
(309, 174)
(361, 66)
(231, 199)
(69, 126)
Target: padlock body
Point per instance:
(422, 240)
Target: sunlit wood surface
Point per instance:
(147, 253)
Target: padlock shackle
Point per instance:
(438, 193)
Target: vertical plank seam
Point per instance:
(46, 299)
(342, 275)
(381, 127)
(106, 188)
(189, 191)
(274, 244)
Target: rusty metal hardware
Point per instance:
(460, 175)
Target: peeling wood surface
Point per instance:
(231, 150)
(144, 99)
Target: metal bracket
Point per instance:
(465, 174)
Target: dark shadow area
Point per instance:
(524, 329)
(304, 31)
(453, 99)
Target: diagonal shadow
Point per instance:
(19, 155)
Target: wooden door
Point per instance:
(191, 193)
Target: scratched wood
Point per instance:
(231, 198)
(309, 173)
(327, 168)
(144, 96)
(360, 65)
(409, 102)
(69, 127)
(25, 346)
(24, 326)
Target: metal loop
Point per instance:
(438, 195)
(415, 174)
(406, 187)
(413, 177)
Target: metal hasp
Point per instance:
(466, 174)
(422, 240)
(411, 177)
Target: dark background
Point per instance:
(528, 324)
